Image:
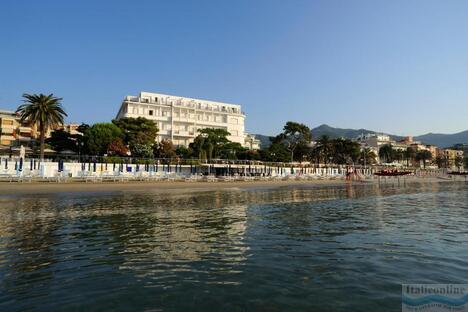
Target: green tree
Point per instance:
(164, 149)
(230, 150)
(210, 142)
(368, 157)
(43, 110)
(386, 153)
(345, 151)
(142, 150)
(98, 138)
(295, 134)
(424, 156)
(440, 161)
(137, 131)
(277, 151)
(61, 140)
(410, 155)
(459, 161)
(184, 152)
(324, 149)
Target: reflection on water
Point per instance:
(291, 248)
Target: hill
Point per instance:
(444, 140)
(439, 139)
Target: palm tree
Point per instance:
(325, 147)
(386, 152)
(43, 110)
(410, 154)
(423, 156)
(368, 156)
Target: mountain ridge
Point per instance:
(439, 139)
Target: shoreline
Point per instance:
(173, 186)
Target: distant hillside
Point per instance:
(441, 140)
(264, 140)
(343, 133)
(444, 140)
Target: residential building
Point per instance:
(251, 142)
(374, 140)
(179, 118)
(13, 132)
(71, 128)
(451, 156)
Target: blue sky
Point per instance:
(392, 66)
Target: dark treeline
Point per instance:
(136, 137)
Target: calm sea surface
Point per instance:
(288, 248)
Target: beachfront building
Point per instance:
(452, 157)
(13, 132)
(179, 118)
(374, 140)
(251, 142)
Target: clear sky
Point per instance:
(392, 66)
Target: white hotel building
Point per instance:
(179, 118)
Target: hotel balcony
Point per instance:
(7, 130)
(190, 105)
(7, 137)
(25, 129)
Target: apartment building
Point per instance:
(179, 118)
(13, 132)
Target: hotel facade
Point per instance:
(179, 118)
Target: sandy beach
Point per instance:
(166, 186)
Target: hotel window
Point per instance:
(156, 99)
(150, 112)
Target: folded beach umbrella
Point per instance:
(94, 165)
(137, 168)
(6, 163)
(31, 164)
(21, 164)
